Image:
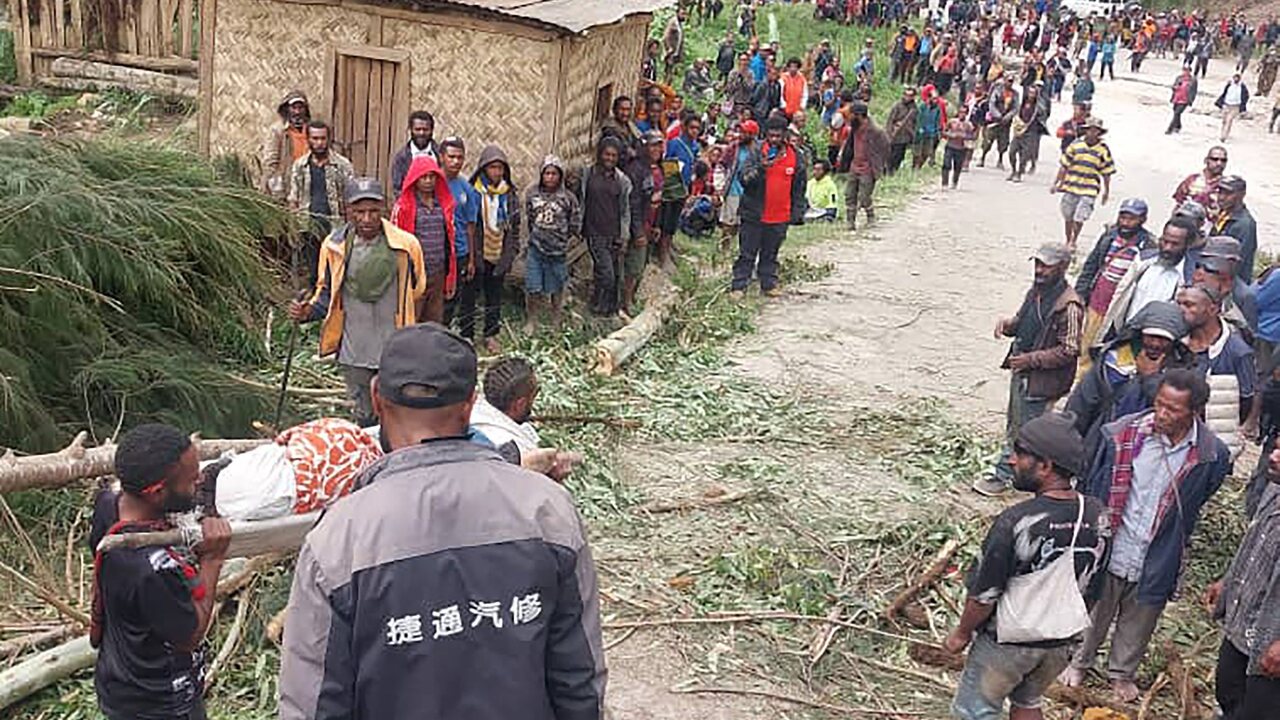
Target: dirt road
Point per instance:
(910, 307)
(908, 312)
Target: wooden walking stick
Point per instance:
(292, 344)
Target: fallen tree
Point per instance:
(616, 348)
(76, 462)
(48, 667)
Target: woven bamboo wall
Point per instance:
(484, 87)
(603, 56)
(263, 50)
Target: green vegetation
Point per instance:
(8, 63)
(130, 280)
(38, 105)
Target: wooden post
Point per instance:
(186, 20)
(22, 39)
(208, 18)
(77, 39)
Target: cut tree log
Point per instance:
(248, 537)
(617, 347)
(76, 462)
(922, 583)
(105, 75)
(46, 668)
(36, 640)
(170, 63)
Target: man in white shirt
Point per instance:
(1233, 102)
(502, 414)
(1151, 278)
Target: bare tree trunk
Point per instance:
(44, 669)
(76, 462)
(100, 74)
(614, 350)
(248, 537)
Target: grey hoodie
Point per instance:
(553, 215)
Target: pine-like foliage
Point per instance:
(129, 278)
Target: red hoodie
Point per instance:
(405, 212)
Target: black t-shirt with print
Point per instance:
(1032, 534)
(148, 612)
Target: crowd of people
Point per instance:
(1161, 355)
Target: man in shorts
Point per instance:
(1085, 172)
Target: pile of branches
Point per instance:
(129, 278)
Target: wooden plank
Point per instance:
(373, 53)
(208, 19)
(77, 38)
(46, 23)
(22, 40)
(59, 22)
(148, 26)
(443, 18)
(186, 20)
(326, 99)
(361, 70)
(375, 30)
(341, 118)
(373, 118)
(171, 63)
(129, 27)
(387, 131)
(164, 27)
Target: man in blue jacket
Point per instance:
(1155, 470)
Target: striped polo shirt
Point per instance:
(1085, 166)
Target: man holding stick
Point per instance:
(152, 605)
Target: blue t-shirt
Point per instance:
(1269, 307)
(1231, 356)
(735, 183)
(466, 210)
(757, 66)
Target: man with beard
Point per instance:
(1107, 264)
(153, 604)
(285, 142)
(1150, 278)
(864, 153)
(1222, 356)
(622, 126)
(1155, 472)
(422, 128)
(1058, 524)
(1203, 186)
(1247, 603)
(1125, 372)
(1042, 358)
(317, 182)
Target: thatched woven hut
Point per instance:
(532, 75)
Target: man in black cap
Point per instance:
(864, 156)
(1215, 266)
(1234, 219)
(451, 579)
(368, 280)
(1042, 359)
(1019, 663)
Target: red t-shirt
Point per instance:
(777, 185)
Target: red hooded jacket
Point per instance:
(405, 212)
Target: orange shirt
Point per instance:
(298, 141)
(793, 92)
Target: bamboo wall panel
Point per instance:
(484, 87)
(265, 49)
(604, 56)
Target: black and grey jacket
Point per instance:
(450, 585)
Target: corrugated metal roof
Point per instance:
(574, 16)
